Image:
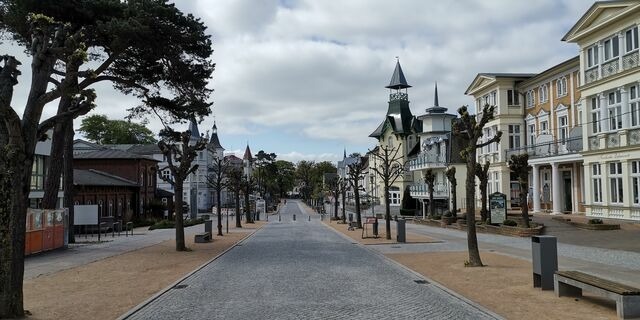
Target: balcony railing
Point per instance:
(440, 190)
(609, 68)
(548, 149)
(426, 161)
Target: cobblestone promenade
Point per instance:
(303, 270)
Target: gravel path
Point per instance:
(304, 270)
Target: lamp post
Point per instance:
(371, 195)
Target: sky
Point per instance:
(306, 79)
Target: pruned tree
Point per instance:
(482, 172)
(519, 165)
(180, 151)
(217, 179)
(355, 174)
(234, 184)
(389, 168)
(248, 186)
(430, 179)
(453, 183)
(334, 188)
(470, 130)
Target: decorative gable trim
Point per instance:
(599, 15)
(480, 81)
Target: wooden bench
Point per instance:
(571, 283)
(202, 237)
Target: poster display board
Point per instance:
(498, 207)
(85, 215)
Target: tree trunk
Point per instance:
(247, 208)
(344, 195)
(387, 211)
(432, 207)
(335, 205)
(68, 177)
(56, 164)
(472, 239)
(484, 212)
(524, 207)
(180, 245)
(454, 204)
(356, 194)
(219, 210)
(238, 214)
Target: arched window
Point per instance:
(561, 87)
(543, 93)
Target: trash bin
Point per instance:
(544, 252)
(208, 226)
(375, 227)
(400, 225)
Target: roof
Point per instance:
(111, 154)
(400, 123)
(144, 149)
(398, 81)
(560, 67)
(93, 177)
(193, 127)
(215, 142)
(247, 154)
(161, 193)
(477, 81)
(232, 157)
(598, 16)
(436, 106)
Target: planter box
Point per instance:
(502, 230)
(587, 226)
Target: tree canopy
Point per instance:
(100, 129)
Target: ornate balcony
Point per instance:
(630, 60)
(398, 96)
(428, 161)
(440, 191)
(548, 149)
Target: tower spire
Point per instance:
(435, 99)
(344, 156)
(398, 81)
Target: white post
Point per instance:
(555, 186)
(626, 111)
(604, 113)
(536, 188)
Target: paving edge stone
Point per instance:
(410, 271)
(141, 305)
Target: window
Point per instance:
(494, 99)
(561, 87)
(615, 110)
(37, 173)
(595, 115)
(635, 181)
(544, 127)
(530, 98)
(596, 178)
(592, 56)
(634, 105)
(390, 142)
(615, 177)
(611, 48)
(563, 129)
(532, 134)
(514, 136)
(496, 181)
(631, 37)
(110, 212)
(513, 98)
(543, 93)
(166, 174)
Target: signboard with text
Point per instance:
(498, 207)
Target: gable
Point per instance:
(599, 15)
(479, 82)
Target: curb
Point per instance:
(141, 305)
(406, 269)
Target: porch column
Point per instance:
(536, 188)
(424, 210)
(555, 187)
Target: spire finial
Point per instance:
(435, 99)
(344, 156)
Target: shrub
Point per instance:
(447, 214)
(510, 223)
(436, 217)
(595, 221)
(407, 212)
(143, 223)
(170, 224)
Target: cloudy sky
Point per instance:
(306, 78)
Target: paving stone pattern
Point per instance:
(304, 270)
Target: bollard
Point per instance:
(309, 218)
(400, 233)
(279, 219)
(544, 251)
(294, 217)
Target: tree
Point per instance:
(355, 174)
(389, 168)
(451, 176)
(334, 188)
(470, 130)
(60, 34)
(429, 179)
(100, 129)
(234, 183)
(180, 152)
(305, 174)
(285, 177)
(216, 178)
(248, 185)
(482, 172)
(519, 165)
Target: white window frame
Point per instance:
(595, 115)
(631, 39)
(635, 182)
(514, 136)
(561, 87)
(609, 47)
(592, 58)
(543, 93)
(616, 187)
(596, 178)
(614, 110)
(514, 96)
(634, 105)
(531, 98)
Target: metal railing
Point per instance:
(440, 190)
(426, 160)
(548, 149)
